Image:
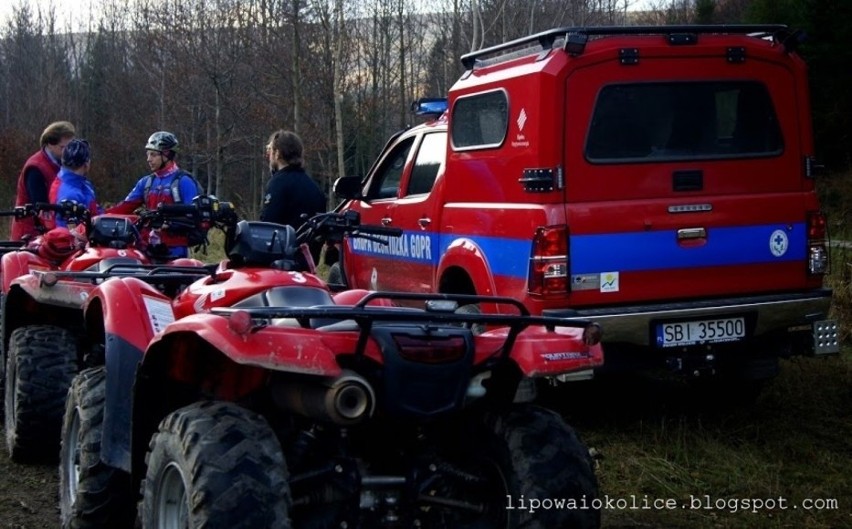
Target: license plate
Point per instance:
(700, 332)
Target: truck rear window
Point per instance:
(684, 120)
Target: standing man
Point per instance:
(290, 192)
(38, 174)
(71, 183)
(167, 184)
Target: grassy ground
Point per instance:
(656, 443)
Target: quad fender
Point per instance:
(351, 297)
(286, 348)
(125, 313)
(186, 261)
(16, 264)
(65, 294)
(130, 309)
(539, 352)
(28, 302)
(465, 262)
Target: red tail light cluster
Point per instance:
(430, 349)
(817, 249)
(548, 273)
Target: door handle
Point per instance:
(691, 233)
(424, 222)
(691, 237)
(386, 221)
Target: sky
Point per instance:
(63, 11)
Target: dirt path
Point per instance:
(28, 494)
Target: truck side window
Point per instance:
(427, 164)
(386, 179)
(480, 121)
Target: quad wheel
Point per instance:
(529, 452)
(91, 493)
(218, 466)
(41, 363)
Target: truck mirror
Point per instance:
(348, 187)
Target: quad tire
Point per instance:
(41, 364)
(218, 466)
(91, 493)
(536, 455)
(3, 348)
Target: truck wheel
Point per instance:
(215, 465)
(336, 279)
(475, 328)
(91, 493)
(41, 364)
(533, 453)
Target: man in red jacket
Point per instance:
(39, 172)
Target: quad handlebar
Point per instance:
(73, 211)
(264, 244)
(331, 227)
(203, 209)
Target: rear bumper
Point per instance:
(789, 312)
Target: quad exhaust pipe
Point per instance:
(344, 400)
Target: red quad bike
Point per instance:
(257, 398)
(44, 287)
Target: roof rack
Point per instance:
(546, 39)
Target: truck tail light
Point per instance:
(817, 249)
(548, 272)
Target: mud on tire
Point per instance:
(41, 363)
(541, 457)
(91, 493)
(215, 465)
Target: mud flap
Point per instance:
(122, 360)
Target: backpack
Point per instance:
(174, 187)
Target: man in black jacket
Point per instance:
(291, 192)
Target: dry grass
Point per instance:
(658, 443)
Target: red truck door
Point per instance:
(398, 194)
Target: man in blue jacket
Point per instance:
(71, 183)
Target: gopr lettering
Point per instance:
(407, 246)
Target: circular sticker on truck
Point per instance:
(778, 243)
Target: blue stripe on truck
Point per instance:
(608, 252)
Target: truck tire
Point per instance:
(91, 493)
(537, 455)
(41, 364)
(475, 328)
(336, 280)
(215, 465)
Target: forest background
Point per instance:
(223, 74)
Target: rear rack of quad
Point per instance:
(440, 311)
(150, 273)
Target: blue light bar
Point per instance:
(429, 106)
